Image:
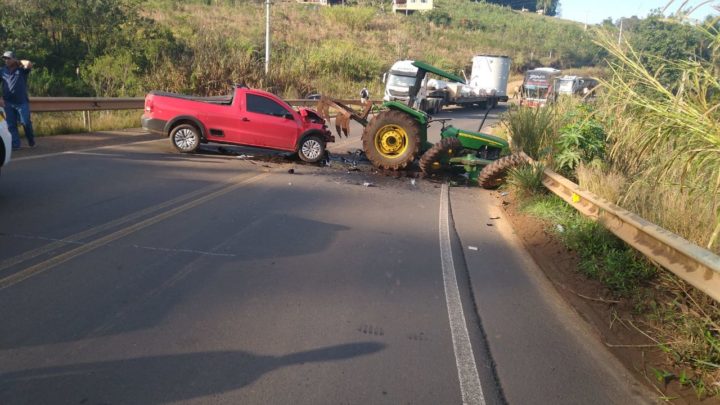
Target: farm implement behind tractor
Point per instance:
(395, 137)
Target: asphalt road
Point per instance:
(130, 274)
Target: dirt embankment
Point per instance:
(611, 318)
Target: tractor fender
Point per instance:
(420, 116)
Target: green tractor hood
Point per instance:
(432, 69)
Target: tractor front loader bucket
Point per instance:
(344, 113)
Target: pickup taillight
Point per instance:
(148, 105)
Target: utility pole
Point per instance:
(267, 36)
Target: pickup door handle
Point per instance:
(245, 119)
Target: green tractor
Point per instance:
(397, 136)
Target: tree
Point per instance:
(61, 36)
(659, 40)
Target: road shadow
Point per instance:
(161, 279)
(159, 379)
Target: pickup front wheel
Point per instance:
(312, 149)
(185, 138)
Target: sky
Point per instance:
(596, 11)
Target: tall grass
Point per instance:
(55, 123)
(666, 140)
(531, 130)
(338, 50)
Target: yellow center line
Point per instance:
(31, 254)
(62, 258)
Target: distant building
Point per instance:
(321, 2)
(411, 6)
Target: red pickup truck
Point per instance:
(249, 117)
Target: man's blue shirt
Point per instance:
(14, 85)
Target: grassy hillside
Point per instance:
(127, 47)
(337, 50)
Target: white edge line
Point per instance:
(470, 387)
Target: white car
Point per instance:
(5, 141)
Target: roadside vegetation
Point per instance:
(649, 143)
(127, 47)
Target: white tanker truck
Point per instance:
(486, 87)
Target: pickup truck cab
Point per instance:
(249, 117)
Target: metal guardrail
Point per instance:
(697, 266)
(58, 104)
(88, 104)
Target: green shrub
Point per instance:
(602, 255)
(581, 140)
(439, 17)
(114, 75)
(526, 180)
(531, 130)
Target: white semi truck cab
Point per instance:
(487, 85)
(398, 81)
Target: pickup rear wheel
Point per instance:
(311, 149)
(185, 138)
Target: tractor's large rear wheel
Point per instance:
(494, 174)
(437, 158)
(392, 140)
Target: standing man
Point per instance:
(15, 97)
(364, 95)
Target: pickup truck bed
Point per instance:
(222, 100)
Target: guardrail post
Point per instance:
(87, 122)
